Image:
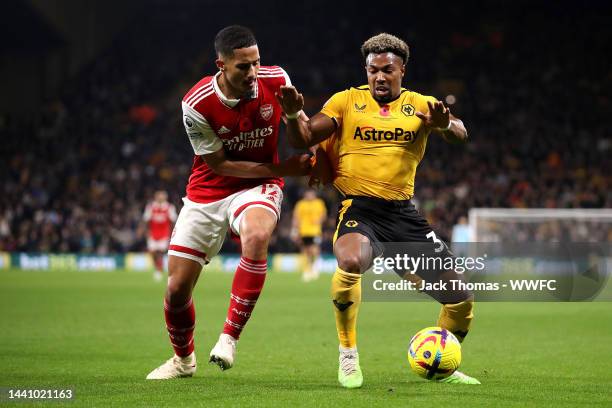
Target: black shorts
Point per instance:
(385, 221)
(311, 240)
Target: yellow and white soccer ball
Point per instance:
(434, 353)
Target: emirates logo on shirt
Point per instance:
(248, 140)
(266, 111)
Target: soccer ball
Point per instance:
(434, 353)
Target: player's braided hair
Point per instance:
(233, 37)
(384, 42)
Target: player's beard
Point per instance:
(249, 94)
(383, 99)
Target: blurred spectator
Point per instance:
(534, 99)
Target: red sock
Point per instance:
(248, 282)
(180, 322)
(159, 262)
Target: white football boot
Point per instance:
(176, 367)
(158, 276)
(459, 378)
(223, 352)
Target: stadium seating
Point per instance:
(77, 177)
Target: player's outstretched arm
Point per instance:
(303, 133)
(322, 172)
(442, 121)
(298, 165)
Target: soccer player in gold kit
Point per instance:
(309, 214)
(375, 136)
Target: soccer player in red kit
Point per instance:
(232, 121)
(159, 216)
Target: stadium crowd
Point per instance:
(77, 176)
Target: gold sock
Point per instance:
(346, 296)
(457, 317)
(305, 267)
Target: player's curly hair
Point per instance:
(384, 42)
(233, 37)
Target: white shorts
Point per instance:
(200, 228)
(157, 245)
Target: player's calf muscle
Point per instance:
(182, 276)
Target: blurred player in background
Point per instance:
(376, 136)
(232, 121)
(309, 214)
(159, 215)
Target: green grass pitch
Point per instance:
(101, 333)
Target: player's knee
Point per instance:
(179, 290)
(350, 263)
(255, 238)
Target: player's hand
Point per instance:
(322, 172)
(298, 165)
(438, 116)
(290, 100)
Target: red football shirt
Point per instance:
(160, 217)
(247, 129)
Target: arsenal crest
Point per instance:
(266, 111)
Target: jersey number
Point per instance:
(439, 244)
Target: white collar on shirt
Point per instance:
(229, 102)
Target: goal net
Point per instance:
(540, 225)
(572, 246)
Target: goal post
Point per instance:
(540, 225)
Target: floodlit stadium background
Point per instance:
(90, 110)
(90, 127)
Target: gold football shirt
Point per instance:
(310, 215)
(376, 148)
